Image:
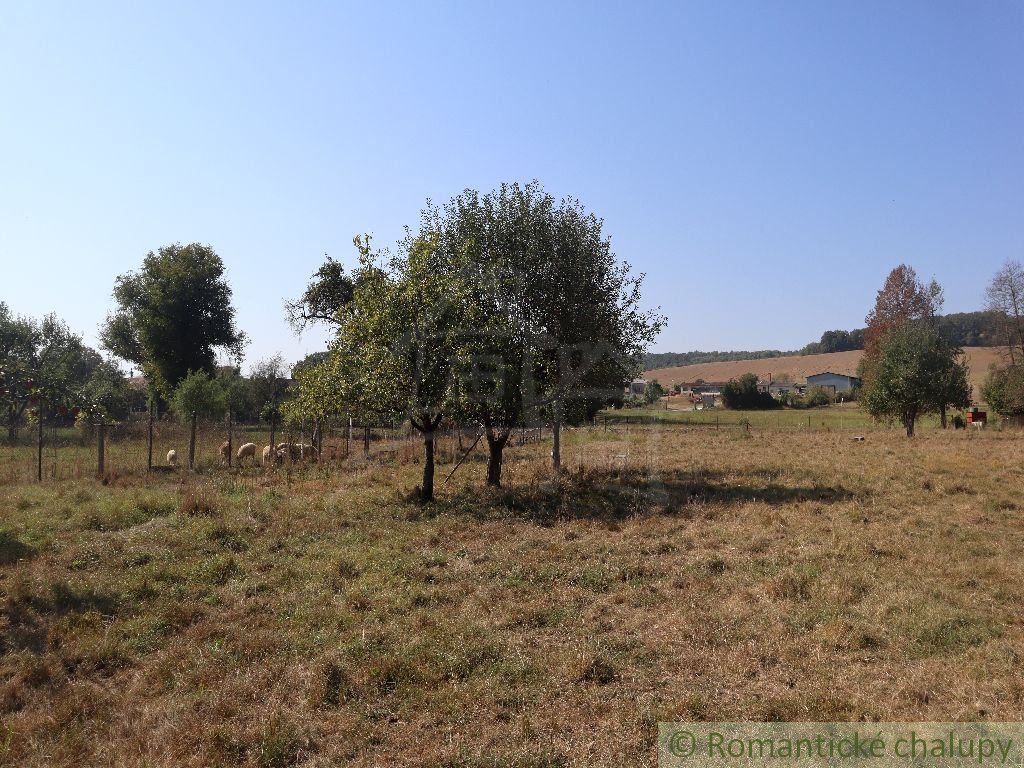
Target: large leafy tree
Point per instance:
(549, 317)
(173, 315)
(903, 299)
(916, 372)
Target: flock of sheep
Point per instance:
(277, 455)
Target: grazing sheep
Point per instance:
(247, 451)
(268, 452)
(172, 457)
(225, 450)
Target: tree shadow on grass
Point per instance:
(27, 616)
(618, 494)
(12, 550)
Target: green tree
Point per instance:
(198, 394)
(328, 291)
(1003, 390)
(43, 362)
(549, 317)
(653, 391)
(395, 346)
(743, 394)
(269, 386)
(916, 372)
(173, 315)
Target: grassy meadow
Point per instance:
(317, 616)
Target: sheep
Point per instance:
(172, 457)
(246, 451)
(268, 452)
(225, 450)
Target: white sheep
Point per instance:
(246, 451)
(172, 457)
(268, 452)
(225, 449)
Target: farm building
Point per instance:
(635, 387)
(835, 382)
(777, 388)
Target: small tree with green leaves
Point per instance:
(653, 391)
(1003, 390)
(916, 372)
(197, 395)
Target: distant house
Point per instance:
(833, 382)
(636, 386)
(777, 388)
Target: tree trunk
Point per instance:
(495, 444)
(556, 433)
(427, 492)
(230, 441)
(192, 444)
(908, 422)
(942, 415)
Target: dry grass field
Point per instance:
(799, 367)
(318, 617)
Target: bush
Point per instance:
(742, 394)
(1003, 390)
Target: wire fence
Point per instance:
(60, 451)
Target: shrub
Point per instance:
(743, 394)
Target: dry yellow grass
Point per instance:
(799, 367)
(319, 618)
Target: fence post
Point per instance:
(231, 443)
(149, 454)
(348, 440)
(101, 434)
(366, 442)
(39, 445)
(192, 443)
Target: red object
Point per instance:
(977, 417)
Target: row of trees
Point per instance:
(43, 364)
(501, 309)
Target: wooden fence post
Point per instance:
(101, 434)
(192, 443)
(39, 445)
(149, 454)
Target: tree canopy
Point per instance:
(916, 372)
(173, 315)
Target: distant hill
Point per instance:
(798, 367)
(966, 329)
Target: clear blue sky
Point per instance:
(765, 164)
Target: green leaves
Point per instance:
(173, 314)
(198, 394)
